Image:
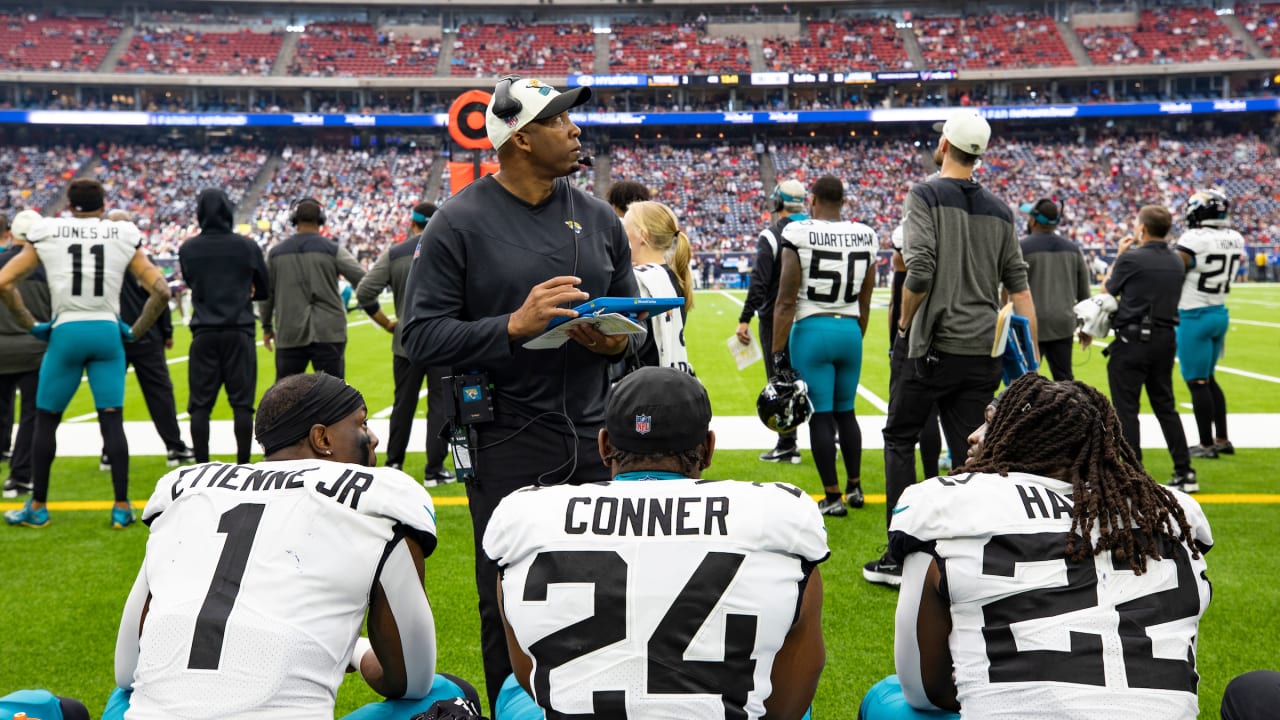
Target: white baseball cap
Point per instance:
(966, 130)
(530, 100)
(791, 193)
(23, 222)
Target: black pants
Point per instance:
(1057, 353)
(1134, 365)
(6, 422)
(930, 436)
(408, 379)
(787, 439)
(544, 449)
(323, 357)
(148, 361)
(27, 382)
(222, 358)
(960, 385)
(1251, 696)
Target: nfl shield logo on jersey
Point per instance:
(644, 423)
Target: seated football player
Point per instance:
(257, 577)
(42, 705)
(1051, 578)
(659, 594)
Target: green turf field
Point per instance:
(65, 586)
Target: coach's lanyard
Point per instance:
(649, 475)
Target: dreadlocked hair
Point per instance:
(1069, 431)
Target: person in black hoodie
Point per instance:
(147, 356)
(226, 272)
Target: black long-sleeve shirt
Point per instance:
(225, 271)
(763, 290)
(480, 255)
(132, 299)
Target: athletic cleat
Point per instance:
(182, 456)
(782, 455)
(27, 517)
(6, 456)
(883, 571)
(122, 518)
(14, 487)
(437, 478)
(1200, 451)
(834, 508)
(854, 497)
(104, 464)
(1185, 481)
(1225, 448)
(397, 466)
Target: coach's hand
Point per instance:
(597, 342)
(1085, 339)
(744, 333)
(269, 341)
(542, 306)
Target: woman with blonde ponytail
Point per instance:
(660, 256)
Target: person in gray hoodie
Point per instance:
(226, 272)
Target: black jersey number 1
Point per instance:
(668, 671)
(240, 525)
(99, 253)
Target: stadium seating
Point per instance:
(33, 42)
(548, 50)
(992, 41)
(1174, 35)
(367, 194)
(189, 50)
(1263, 22)
(669, 47)
(36, 175)
(850, 44)
(159, 185)
(357, 49)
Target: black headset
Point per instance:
(296, 204)
(504, 105)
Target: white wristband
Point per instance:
(362, 646)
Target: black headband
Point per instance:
(327, 402)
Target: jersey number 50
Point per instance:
(847, 277)
(668, 671)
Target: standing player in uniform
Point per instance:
(820, 317)
(787, 206)
(660, 595)
(1212, 252)
(1054, 579)
(257, 578)
(85, 259)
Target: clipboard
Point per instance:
(622, 306)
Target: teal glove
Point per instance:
(126, 331)
(41, 331)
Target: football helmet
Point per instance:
(1208, 208)
(783, 404)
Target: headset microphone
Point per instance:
(586, 161)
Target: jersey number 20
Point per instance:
(668, 671)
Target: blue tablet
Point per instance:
(630, 306)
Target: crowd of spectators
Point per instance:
(159, 185)
(1172, 35)
(183, 51)
(367, 194)
(846, 44)
(358, 49)
(36, 175)
(1263, 22)
(992, 40)
(488, 50)
(34, 42)
(672, 47)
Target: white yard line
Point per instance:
(1225, 369)
(385, 413)
(1258, 323)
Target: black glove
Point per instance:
(458, 708)
(781, 360)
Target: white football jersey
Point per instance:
(260, 577)
(1217, 253)
(86, 260)
(668, 327)
(835, 256)
(654, 599)
(1036, 636)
